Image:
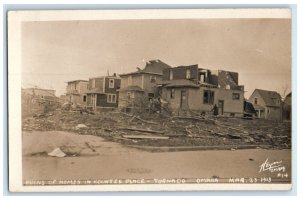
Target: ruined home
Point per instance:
(76, 91)
(140, 85)
(267, 104)
(102, 92)
(190, 88)
(37, 101)
(287, 107)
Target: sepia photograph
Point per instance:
(150, 100)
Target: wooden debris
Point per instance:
(90, 147)
(141, 130)
(136, 117)
(146, 137)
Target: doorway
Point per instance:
(183, 100)
(220, 107)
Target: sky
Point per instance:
(55, 52)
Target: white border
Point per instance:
(15, 18)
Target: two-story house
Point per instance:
(268, 104)
(76, 91)
(190, 88)
(141, 84)
(102, 92)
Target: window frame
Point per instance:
(171, 75)
(234, 96)
(109, 83)
(188, 74)
(110, 98)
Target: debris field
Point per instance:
(157, 130)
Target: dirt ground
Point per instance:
(166, 131)
(94, 158)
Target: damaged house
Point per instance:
(102, 92)
(190, 88)
(267, 104)
(141, 85)
(37, 101)
(76, 91)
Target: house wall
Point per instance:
(117, 85)
(180, 72)
(254, 95)
(102, 101)
(123, 100)
(147, 85)
(98, 83)
(273, 113)
(195, 99)
(136, 80)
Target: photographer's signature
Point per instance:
(272, 166)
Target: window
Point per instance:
(128, 95)
(111, 98)
(202, 77)
(235, 96)
(255, 101)
(171, 75)
(152, 79)
(188, 74)
(111, 83)
(208, 97)
(172, 95)
(84, 98)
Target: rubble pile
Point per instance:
(167, 131)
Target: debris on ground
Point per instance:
(57, 153)
(180, 130)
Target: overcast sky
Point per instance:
(56, 52)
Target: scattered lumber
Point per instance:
(90, 147)
(192, 118)
(141, 130)
(146, 137)
(136, 117)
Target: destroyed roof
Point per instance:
(269, 97)
(95, 91)
(180, 83)
(155, 67)
(132, 88)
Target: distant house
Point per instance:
(102, 92)
(141, 84)
(287, 107)
(36, 101)
(76, 91)
(190, 88)
(267, 104)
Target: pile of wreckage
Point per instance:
(156, 131)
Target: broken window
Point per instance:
(208, 97)
(111, 83)
(188, 74)
(255, 101)
(235, 96)
(84, 98)
(171, 75)
(172, 95)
